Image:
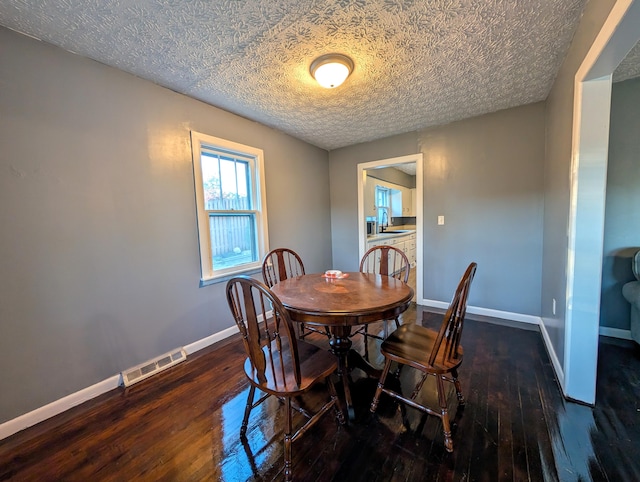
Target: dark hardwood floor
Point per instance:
(183, 424)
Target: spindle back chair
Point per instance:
(277, 362)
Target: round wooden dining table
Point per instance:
(340, 304)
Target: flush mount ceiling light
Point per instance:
(331, 70)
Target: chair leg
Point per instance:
(456, 383)
(336, 403)
(365, 337)
(302, 333)
(418, 386)
(386, 326)
(444, 415)
(247, 411)
(287, 441)
(383, 377)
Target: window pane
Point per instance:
(382, 201)
(382, 196)
(225, 182)
(231, 220)
(233, 240)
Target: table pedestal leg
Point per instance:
(340, 344)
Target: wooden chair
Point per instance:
(389, 261)
(278, 364)
(434, 353)
(283, 263)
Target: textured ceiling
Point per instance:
(409, 168)
(630, 67)
(417, 63)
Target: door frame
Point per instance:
(362, 168)
(589, 158)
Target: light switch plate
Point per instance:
(440, 220)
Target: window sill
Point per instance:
(227, 277)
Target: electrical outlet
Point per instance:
(440, 220)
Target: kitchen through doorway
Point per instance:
(390, 207)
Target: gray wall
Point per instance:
(557, 166)
(622, 212)
(98, 247)
(485, 176)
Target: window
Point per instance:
(383, 201)
(231, 206)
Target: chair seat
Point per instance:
(315, 363)
(411, 344)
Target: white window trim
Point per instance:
(207, 273)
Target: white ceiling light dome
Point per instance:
(331, 70)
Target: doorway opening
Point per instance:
(390, 205)
(578, 373)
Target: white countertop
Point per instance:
(386, 235)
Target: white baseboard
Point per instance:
(54, 408)
(536, 320)
(506, 315)
(615, 333)
(434, 304)
(475, 310)
(557, 366)
(210, 340)
(216, 337)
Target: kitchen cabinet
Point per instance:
(406, 202)
(410, 245)
(403, 202)
(370, 197)
(412, 205)
(406, 243)
(397, 197)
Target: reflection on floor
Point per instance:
(412, 282)
(183, 424)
